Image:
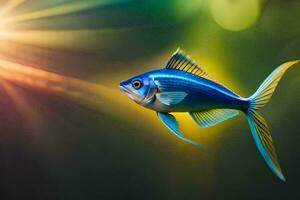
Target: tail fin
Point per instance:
(258, 125)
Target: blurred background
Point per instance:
(67, 132)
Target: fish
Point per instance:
(183, 86)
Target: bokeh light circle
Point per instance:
(235, 15)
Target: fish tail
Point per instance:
(258, 126)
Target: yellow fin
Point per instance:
(180, 61)
(212, 117)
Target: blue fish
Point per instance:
(184, 86)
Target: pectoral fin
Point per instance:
(212, 117)
(171, 123)
(171, 98)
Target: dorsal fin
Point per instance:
(181, 61)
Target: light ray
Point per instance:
(40, 79)
(32, 118)
(9, 6)
(64, 39)
(63, 9)
(95, 96)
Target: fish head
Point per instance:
(140, 89)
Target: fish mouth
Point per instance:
(124, 89)
(127, 92)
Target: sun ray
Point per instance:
(32, 117)
(63, 9)
(40, 79)
(83, 39)
(9, 6)
(95, 96)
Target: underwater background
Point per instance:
(67, 132)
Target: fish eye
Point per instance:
(137, 84)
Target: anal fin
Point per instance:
(212, 117)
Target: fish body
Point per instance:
(183, 86)
(201, 93)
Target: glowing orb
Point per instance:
(235, 15)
